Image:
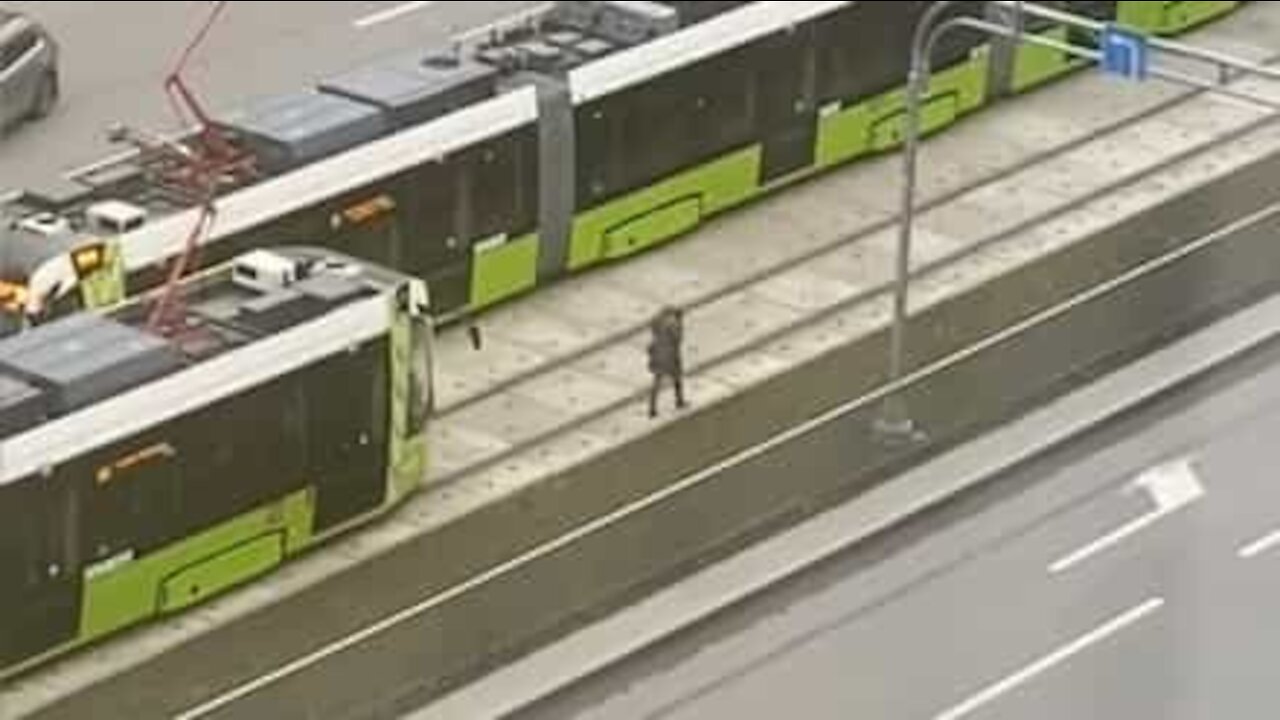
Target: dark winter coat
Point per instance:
(664, 345)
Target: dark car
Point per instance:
(28, 70)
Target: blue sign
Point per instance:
(1124, 52)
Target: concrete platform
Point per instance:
(561, 378)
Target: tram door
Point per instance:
(39, 589)
(786, 103)
(346, 400)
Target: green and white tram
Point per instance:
(142, 473)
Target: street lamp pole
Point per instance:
(895, 423)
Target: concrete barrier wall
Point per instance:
(478, 630)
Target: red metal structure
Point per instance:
(198, 168)
(213, 147)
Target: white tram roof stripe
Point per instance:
(326, 178)
(163, 400)
(712, 37)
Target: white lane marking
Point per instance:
(390, 14)
(1173, 487)
(992, 692)
(1258, 547)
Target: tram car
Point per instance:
(142, 472)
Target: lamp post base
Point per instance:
(898, 430)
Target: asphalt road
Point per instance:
(117, 54)
(1132, 574)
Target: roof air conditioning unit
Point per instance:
(264, 271)
(113, 217)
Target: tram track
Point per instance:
(636, 332)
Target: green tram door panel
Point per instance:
(502, 268)
(1035, 65)
(877, 124)
(193, 585)
(1167, 18)
(665, 221)
(951, 94)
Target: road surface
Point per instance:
(116, 56)
(1133, 574)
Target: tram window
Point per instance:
(781, 64)
(243, 453)
(293, 426)
(630, 139)
(634, 137)
(596, 160)
(435, 198)
(428, 219)
(860, 49)
(347, 426)
(498, 199)
(132, 496)
(338, 410)
(955, 47)
(20, 545)
(527, 178)
(492, 189)
(658, 130)
(721, 105)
